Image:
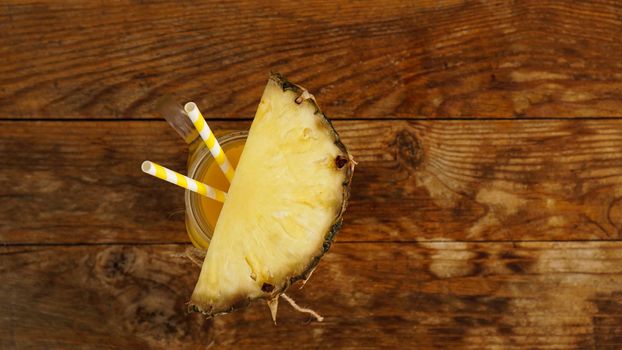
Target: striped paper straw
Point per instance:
(180, 180)
(210, 140)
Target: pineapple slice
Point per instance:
(283, 207)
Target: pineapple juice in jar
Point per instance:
(202, 212)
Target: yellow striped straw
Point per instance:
(180, 180)
(210, 140)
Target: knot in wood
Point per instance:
(114, 263)
(409, 148)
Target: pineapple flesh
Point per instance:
(283, 207)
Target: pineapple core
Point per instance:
(283, 206)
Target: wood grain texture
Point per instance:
(449, 58)
(427, 295)
(427, 180)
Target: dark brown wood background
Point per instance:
(486, 208)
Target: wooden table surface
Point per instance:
(486, 208)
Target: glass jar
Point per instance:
(201, 212)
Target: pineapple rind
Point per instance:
(210, 302)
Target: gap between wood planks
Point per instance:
(138, 244)
(367, 119)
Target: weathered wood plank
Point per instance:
(379, 295)
(434, 58)
(426, 180)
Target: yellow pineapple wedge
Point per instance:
(284, 205)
